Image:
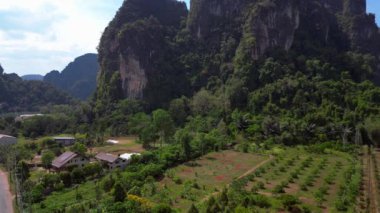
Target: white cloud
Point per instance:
(41, 35)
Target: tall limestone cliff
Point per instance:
(274, 23)
(141, 48)
(136, 47)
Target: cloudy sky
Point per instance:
(37, 36)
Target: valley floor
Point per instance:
(319, 181)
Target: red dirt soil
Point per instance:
(219, 178)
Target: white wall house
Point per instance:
(111, 161)
(64, 141)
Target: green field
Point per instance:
(125, 145)
(193, 182)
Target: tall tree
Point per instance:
(79, 148)
(47, 158)
(164, 125)
(184, 138)
(119, 193)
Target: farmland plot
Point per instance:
(194, 181)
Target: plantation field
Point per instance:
(318, 181)
(126, 145)
(193, 182)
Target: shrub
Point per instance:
(295, 174)
(319, 197)
(177, 180)
(288, 201)
(303, 187)
(260, 185)
(260, 201)
(290, 180)
(278, 189)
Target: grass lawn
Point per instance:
(126, 145)
(193, 182)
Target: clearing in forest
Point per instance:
(125, 145)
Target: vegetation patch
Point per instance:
(194, 181)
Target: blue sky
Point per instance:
(37, 36)
(373, 6)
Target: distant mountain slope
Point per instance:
(78, 78)
(18, 95)
(32, 77)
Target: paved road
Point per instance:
(5, 195)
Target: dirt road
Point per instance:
(5, 194)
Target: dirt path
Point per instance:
(241, 176)
(370, 196)
(256, 167)
(373, 195)
(6, 205)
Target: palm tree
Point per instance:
(345, 133)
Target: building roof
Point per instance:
(63, 159)
(128, 156)
(6, 136)
(63, 138)
(26, 116)
(110, 158)
(36, 160)
(29, 115)
(112, 141)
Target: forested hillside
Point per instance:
(292, 71)
(78, 78)
(17, 95)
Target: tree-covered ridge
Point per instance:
(17, 95)
(307, 70)
(142, 54)
(78, 78)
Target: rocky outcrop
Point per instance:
(208, 17)
(273, 24)
(343, 25)
(135, 42)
